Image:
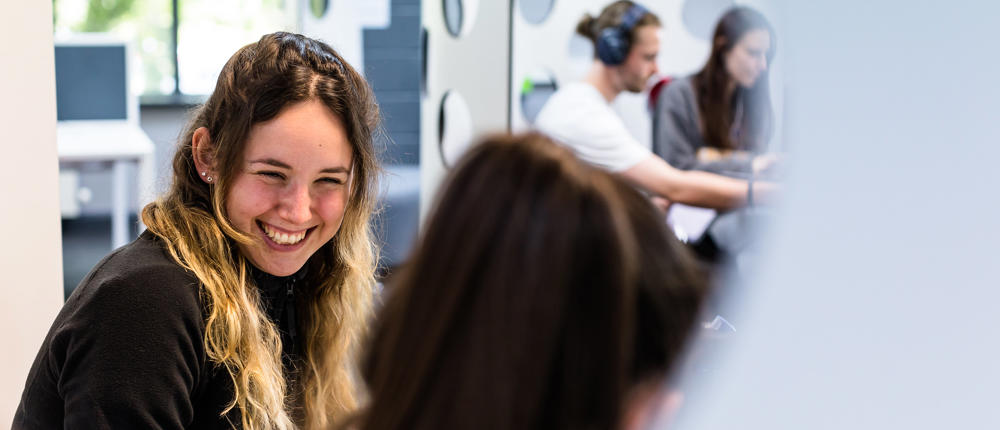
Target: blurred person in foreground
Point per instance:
(242, 304)
(545, 293)
(579, 115)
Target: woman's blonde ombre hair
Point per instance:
(259, 81)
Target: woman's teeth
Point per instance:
(282, 238)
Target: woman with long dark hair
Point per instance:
(545, 293)
(719, 119)
(242, 304)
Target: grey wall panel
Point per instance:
(399, 34)
(392, 67)
(401, 117)
(393, 71)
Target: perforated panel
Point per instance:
(474, 64)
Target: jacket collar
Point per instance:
(270, 283)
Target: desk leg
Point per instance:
(119, 207)
(145, 184)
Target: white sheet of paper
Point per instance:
(688, 222)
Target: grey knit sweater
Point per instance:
(677, 133)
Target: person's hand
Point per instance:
(764, 162)
(661, 203)
(707, 153)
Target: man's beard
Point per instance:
(635, 87)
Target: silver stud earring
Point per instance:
(209, 179)
(202, 173)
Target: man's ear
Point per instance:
(203, 152)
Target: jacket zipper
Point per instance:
(290, 311)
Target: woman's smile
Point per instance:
(283, 237)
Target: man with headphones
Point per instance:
(626, 42)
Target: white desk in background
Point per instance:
(118, 142)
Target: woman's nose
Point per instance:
(296, 205)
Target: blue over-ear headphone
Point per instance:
(612, 43)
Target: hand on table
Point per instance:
(764, 162)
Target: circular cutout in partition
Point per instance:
(535, 11)
(700, 16)
(454, 127)
(453, 16)
(459, 15)
(319, 7)
(536, 88)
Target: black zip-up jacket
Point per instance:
(127, 349)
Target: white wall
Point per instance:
(30, 257)
(340, 27)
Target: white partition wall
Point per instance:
(30, 258)
(474, 65)
(339, 26)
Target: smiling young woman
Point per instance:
(243, 303)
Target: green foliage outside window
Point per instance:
(148, 25)
(102, 14)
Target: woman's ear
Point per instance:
(203, 152)
(720, 42)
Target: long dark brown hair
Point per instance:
(543, 291)
(710, 85)
(255, 85)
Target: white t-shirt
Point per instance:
(578, 116)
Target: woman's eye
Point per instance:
(269, 174)
(331, 180)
